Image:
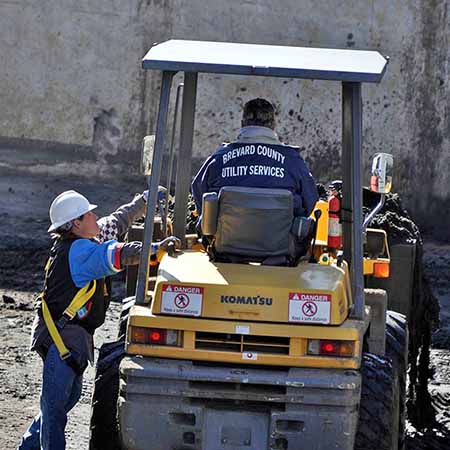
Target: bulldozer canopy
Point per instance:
(267, 60)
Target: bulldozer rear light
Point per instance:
(155, 336)
(329, 348)
(139, 335)
(381, 270)
(322, 347)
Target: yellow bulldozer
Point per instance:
(224, 347)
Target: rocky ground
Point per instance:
(24, 201)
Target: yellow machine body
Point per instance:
(239, 342)
(252, 291)
(252, 313)
(248, 313)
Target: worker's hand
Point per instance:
(130, 253)
(159, 249)
(170, 241)
(162, 193)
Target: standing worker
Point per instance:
(258, 159)
(73, 304)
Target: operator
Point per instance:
(258, 159)
(73, 303)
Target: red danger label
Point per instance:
(309, 307)
(182, 300)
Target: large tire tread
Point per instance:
(397, 352)
(375, 426)
(104, 432)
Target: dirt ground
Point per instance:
(24, 243)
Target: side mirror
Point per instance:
(381, 179)
(148, 146)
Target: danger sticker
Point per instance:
(313, 308)
(182, 300)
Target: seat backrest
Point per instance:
(254, 222)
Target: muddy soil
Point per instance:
(437, 435)
(20, 372)
(24, 243)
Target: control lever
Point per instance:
(317, 215)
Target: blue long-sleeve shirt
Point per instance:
(261, 163)
(89, 260)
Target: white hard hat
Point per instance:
(68, 206)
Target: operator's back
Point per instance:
(258, 159)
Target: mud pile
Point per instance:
(424, 316)
(392, 218)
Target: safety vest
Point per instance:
(62, 301)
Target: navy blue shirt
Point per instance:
(259, 165)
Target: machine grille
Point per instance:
(241, 343)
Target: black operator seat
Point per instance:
(253, 224)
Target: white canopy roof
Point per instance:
(267, 60)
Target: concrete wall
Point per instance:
(72, 76)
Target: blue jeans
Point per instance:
(61, 390)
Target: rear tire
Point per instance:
(104, 431)
(378, 409)
(397, 352)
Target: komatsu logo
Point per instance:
(243, 300)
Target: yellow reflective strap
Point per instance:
(47, 265)
(80, 299)
(53, 331)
